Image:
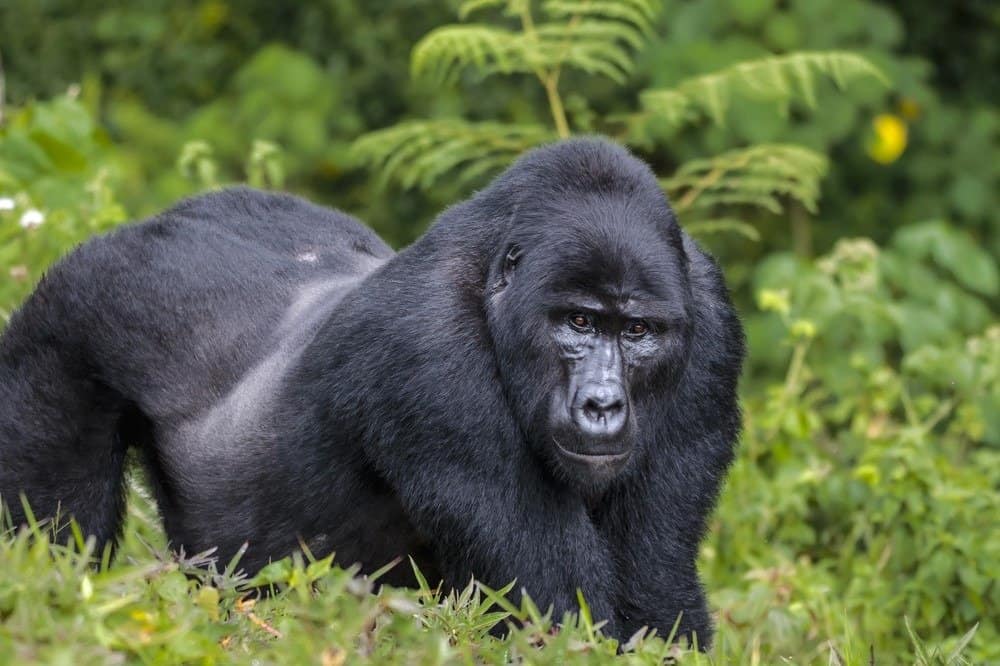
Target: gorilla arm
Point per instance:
(658, 521)
(503, 527)
(446, 443)
(657, 524)
(406, 382)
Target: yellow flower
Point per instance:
(889, 140)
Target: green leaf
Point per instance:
(753, 176)
(952, 250)
(956, 654)
(781, 79)
(723, 225)
(421, 153)
(637, 13)
(594, 37)
(442, 53)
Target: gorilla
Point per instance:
(542, 388)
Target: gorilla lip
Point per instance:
(593, 458)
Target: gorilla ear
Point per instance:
(510, 263)
(506, 270)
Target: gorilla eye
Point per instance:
(580, 322)
(637, 329)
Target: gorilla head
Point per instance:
(590, 312)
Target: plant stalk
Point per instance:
(551, 83)
(801, 231)
(795, 368)
(549, 79)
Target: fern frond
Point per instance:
(420, 153)
(595, 47)
(597, 37)
(756, 176)
(722, 225)
(709, 201)
(588, 33)
(781, 79)
(444, 52)
(638, 14)
(673, 105)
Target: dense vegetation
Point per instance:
(840, 157)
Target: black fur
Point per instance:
(287, 377)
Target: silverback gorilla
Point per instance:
(542, 388)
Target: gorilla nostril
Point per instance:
(597, 409)
(602, 410)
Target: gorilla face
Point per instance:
(590, 322)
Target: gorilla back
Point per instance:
(543, 387)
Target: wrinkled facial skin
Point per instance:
(602, 351)
(619, 350)
(588, 335)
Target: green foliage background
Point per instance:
(840, 157)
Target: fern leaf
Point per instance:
(709, 202)
(421, 153)
(800, 69)
(597, 37)
(781, 79)
(715, 97)
(722, 225)
(755, 176)
(443, 52)
(588, 46)
(590, 32)
(674, 106)
(639, 14)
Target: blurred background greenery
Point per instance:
(859, 232)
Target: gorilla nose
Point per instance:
(600, 410)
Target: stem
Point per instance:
(549, 79)
(942, 411)
(710, 179)
(551, 84)
(795, 369)
(908, 408)
(527, 20)
(801, 231)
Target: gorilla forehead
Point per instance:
(614, 244)
(607, 251)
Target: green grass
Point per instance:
(149, 606)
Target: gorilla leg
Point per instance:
(61, 443)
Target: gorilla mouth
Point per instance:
(594, 459)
